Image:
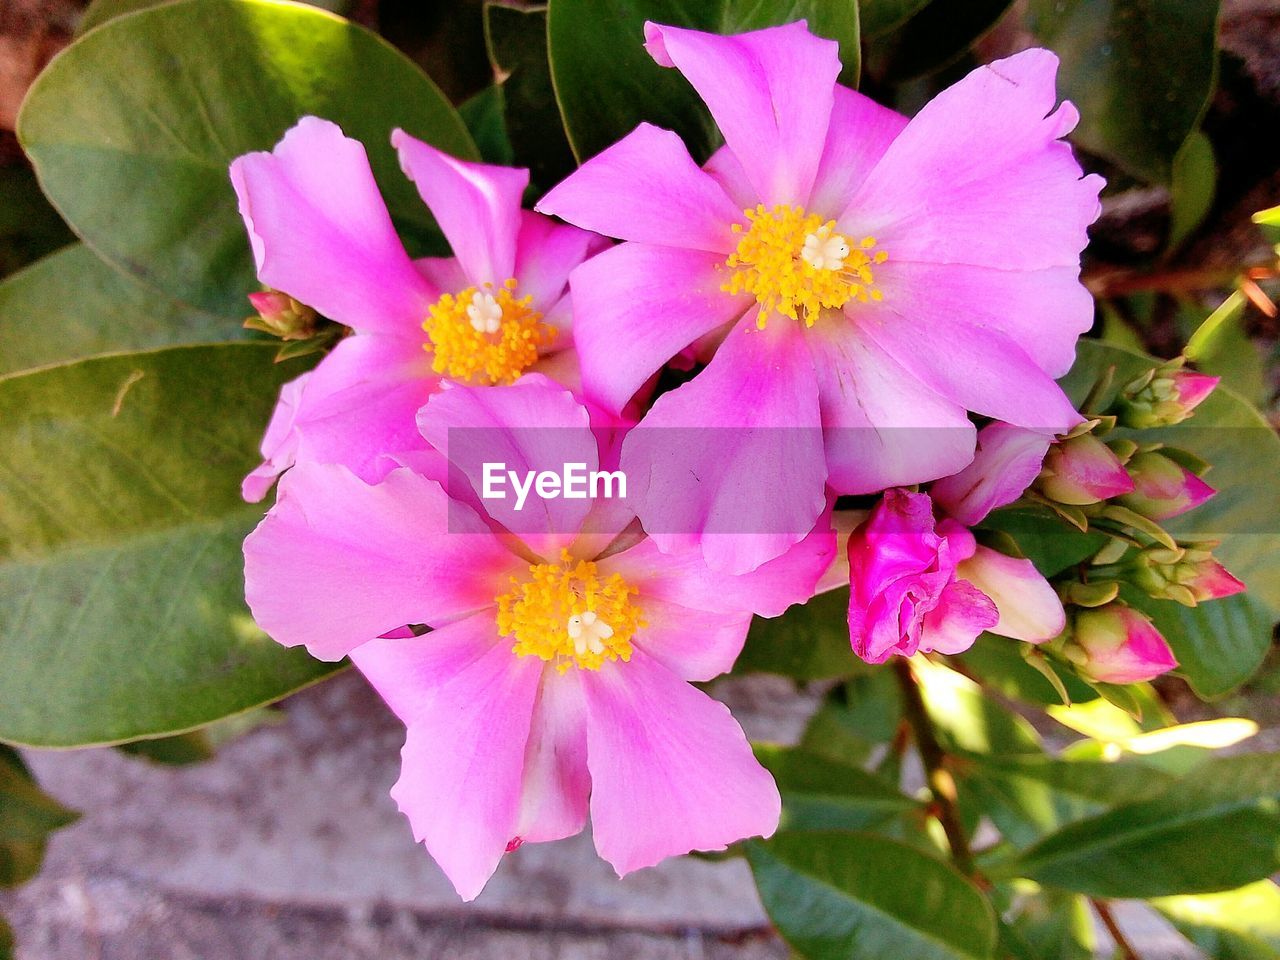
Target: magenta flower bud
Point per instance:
(1169, 396)
(1117, 644)
(1163, 488)
(1083, 470)
(282, 316)
(1189, 576)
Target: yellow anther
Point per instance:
(796, 264)
(485, 336)
(567, 614)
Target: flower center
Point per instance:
(796, 264)
(484, 336)
(566, 614)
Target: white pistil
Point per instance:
(588, 632)
(485, 313)
(824, 250)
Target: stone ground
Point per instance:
(286, 846)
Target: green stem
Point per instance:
(941, 784)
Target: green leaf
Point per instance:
(809, 642)
(517, 42)
(1141, 72)
(966, 719)
(1157, 847)
(132, 129)
(1219, 644)
(852, 896)
(1046, 539)
(1193, 178)
(1239, 924)
(933, 38)
(29, 227)
(27, 816)
(485, 117)
(197, 746)
(606, 83)
(1051, 926)
(100, 11)
(71, 305)
(121, 586)
(819, 793)
(999, 663)
(878, 17)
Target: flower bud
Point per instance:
(1189, 575)
(1083, 470)
(1168, 397)
(1163, 488)
(1117, 644)
(281, 316)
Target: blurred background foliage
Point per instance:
(132, 397)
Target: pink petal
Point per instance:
(647, 188)
(337, 562)
(735, 452)
(726, 169)
(1043, 311)
(636, 306)
(978, 176)
(321, 233)
(972, 365)
(443, 273)
(476, 205)
(695, 645)
(682, 576)
(1008, 460)
(531, 426)
(546, 252)
(556, 780)
(460, 779)
(279, 443)
(770, 92)
(1028, 605)
(881, 426)
(860, 132)
(671, 770)
(962, 613)
(360, 404)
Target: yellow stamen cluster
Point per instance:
(544, 615)
(463, 348)
(771, 263)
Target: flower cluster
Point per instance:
(848, 293)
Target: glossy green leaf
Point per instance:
(133, 127)
(606, 83)
(121, 584)
(100, 11)
(1219, 644)
(934, 37)
(1157, 847)
(517, 41)
(1141, 72)
(809, 642)
(857, 896)
(1046, 539)
(1239, 924)
(819, 793)
(1193, 178)
(71, 305)
(877, 17)
(486, 120)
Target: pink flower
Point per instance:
(1162, 488)
(1083, 470)
(869, 279)
(1117, 644)
(905, 594)
(321, 234)
(556, 676)
(1007, 461)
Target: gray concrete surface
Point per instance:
(286, 846)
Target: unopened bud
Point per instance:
(1163, 397)
(1189, 576)
(1083, 470)
(1163, 488)
(281, 316)
(1117, 644)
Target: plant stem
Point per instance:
(1103, 909)
(941, 784)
